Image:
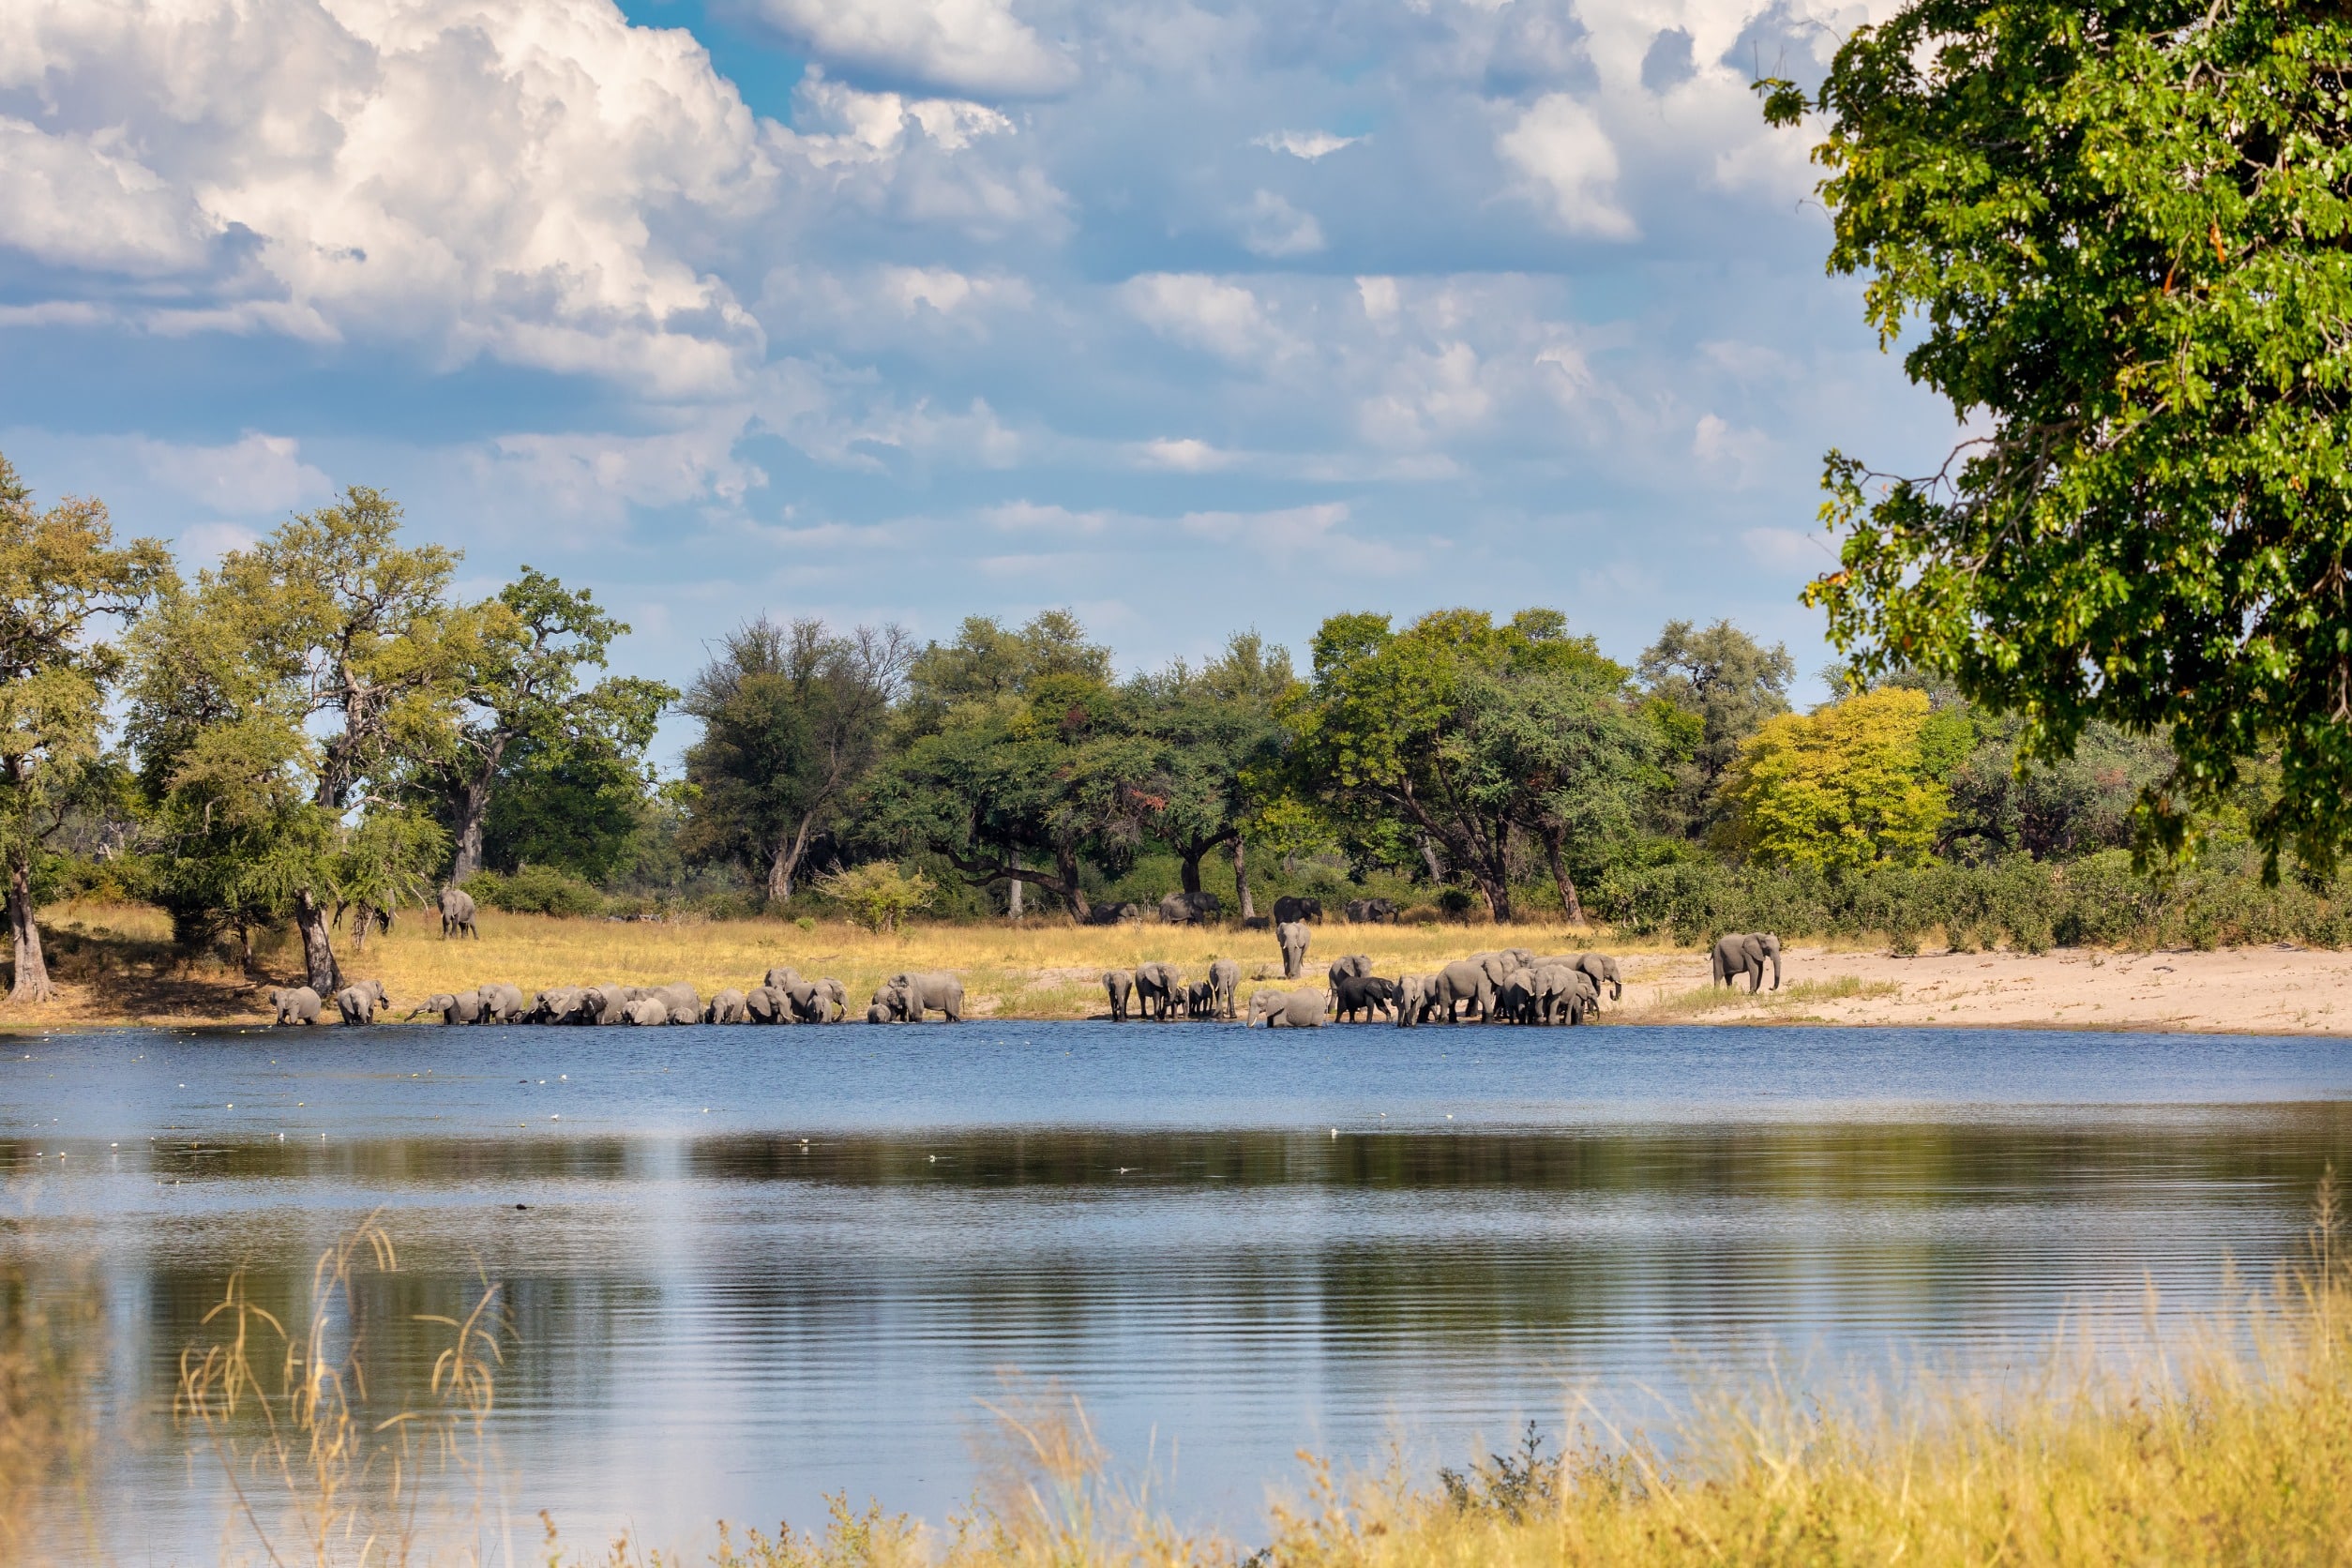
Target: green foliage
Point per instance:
(1850, 785)
(2118, 237)
(1710, 690)
(878, 896)
(536, 890)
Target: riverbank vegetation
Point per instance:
(2229, 1442)
(317, 735)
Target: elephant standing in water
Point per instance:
(299, 1005)
(1296, 1009)
(1118, 984)
(1158, 986)
(1736, 955)
(1292, 934)
(1225, 983)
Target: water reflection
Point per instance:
(811, 1290)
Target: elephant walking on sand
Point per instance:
(1292, 935)
(1736, 955)
(1118, 984)
(457, 913)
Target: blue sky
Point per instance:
(1192, 317)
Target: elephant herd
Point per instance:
(782, 997)
(1513, 986)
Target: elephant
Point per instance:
(1515, 997)
(1604, 971)
(684, 1002)
(1414, 998)
(1367, 994)
(780, 976)
(727, 1007)
(1288, 910)
(878, 1013)
(1736, 955)
(835, 1000)
(562, 1005)
(1292, 934)
(766, 1004)
(501, 1002)
(1201, 1000)
(1190, 909)
(1463, 980)
(933, 990)
(1294, 1009)
(647, 1011)
(806, 1002)
(1114, 915)
(1372, 912)
(1257, 923)
(1157, 986)
(1225, 983)
(359, 1002)
(605, 1004)
(464, 1007)
(298, 1005)
(1355, 966)
(457, 913)
(1118, 983)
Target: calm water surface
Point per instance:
(752, 1267)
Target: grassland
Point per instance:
(115, 963)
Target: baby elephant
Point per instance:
(1118, 983)
(299, 1005)
(647, 1011)
(359, 1002)
(727, 1007)
(1201, 1000)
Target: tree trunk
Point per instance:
(786, 861)
(1189, 868)
(317, 946)
(1014, 891)
(1067, 865)
(1241, 880)
(1429, 858)
(472, 811)
(32, 969)
(1569, 903)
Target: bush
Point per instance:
(536, 890)
(878, 896)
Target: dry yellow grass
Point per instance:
(1033, 971)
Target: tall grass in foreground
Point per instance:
(2230, 1445)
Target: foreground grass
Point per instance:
(111, 955)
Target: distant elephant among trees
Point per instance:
(1292, 935)
(1372, 912)
(457, 913)
(1114, 915)
(1190, 909)
(1736, 955)
(1288, 910)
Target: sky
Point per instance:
(1189, 315)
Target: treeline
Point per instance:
(315, 733)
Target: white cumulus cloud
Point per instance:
(973, 46)
(1201, 311)
(1569, 164)
(1309, 145)
(254, 475)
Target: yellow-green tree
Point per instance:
(1853, 784)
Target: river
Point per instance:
(739, 1269)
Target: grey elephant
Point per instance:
(1200, 1000)
(1291, 1009)
(1414, 998)
(1114, 915)
(1157, 988)
(1463, 980)
(684, 1002)
(1367, 994)
(780, 976)
(1292, 935)
(1372, 912)
(359, 1002)
(1225, 984)
(462, 1007)
(298, 1005)
(834, 998)
(1190, 909)
(605, 1005)
(1604, 972)
(727, 1007)
(805, 1001)
(880, 1012)
(457, 913)
(930, 991)
(1289, 909)
(501, 1002)
(1118, 984)
(766, 1004)
(1736, 955)
(647, 1011)
(560, 1005)
(1355, 966)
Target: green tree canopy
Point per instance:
(2116, 235)
(1731, 684)
(1218, 741)
(62, 577)
(1853, 784)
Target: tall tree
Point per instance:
(1468, 733)
(793, 718)
(576, 795)
(535, 638)
(1854, 784)
(2116, 237)
(1220, 742)
(62, 577)
(1732, 684)
(278, 704)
